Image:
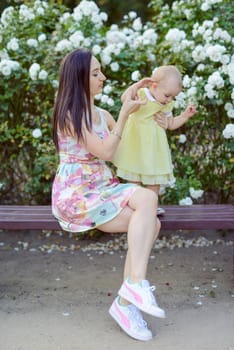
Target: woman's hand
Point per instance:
(130, 104)
(161, 119)
(145, 82)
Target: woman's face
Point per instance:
(97, 78)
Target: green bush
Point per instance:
(197, 36)
(34, 38)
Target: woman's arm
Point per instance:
(105, 149)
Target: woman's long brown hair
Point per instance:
(72, 105)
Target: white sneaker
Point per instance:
(140, 294)
(160, 211)
(129, 318)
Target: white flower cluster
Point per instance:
(215, 80)
(230, 109)
(195, 193)
(7, 15)
(77, 39)
(35, 72)
(210, 33)
(207, 4)
(118, 39)
(29, 14)
(89, 9)
(8, 66)
(177, 40)
(180, 100)
(104, 98)
(230, 71)
(186, 201)
(228, 132)
(26, 13)
(13, 44)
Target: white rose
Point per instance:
(32, 43)
(104, 16)
(215, 79)
(230, 113)
(13, 44)
(215, 52)
(55, 84)
(106, 59)
(192, 91)
(96, 49)
(228, 106)
(199, 53)
(205, 6)
(200, 67)
(40, 11)
(76, 38)
(6, 70)
(107, 89)
(137, 25)
(135, 75)
(36, 133)
(33, 71)
(41, 37)
(186, 81)
(110, 102)
(63, 45)
(104, 99)
(42, 74)
(182, 138)
(6, 15)
(132, 14)
(64, 17)
(228, 132)
(114, 66)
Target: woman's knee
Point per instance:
(146, 197)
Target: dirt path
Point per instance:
(55, 292)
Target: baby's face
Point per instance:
(165, 91)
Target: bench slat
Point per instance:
(195, 217)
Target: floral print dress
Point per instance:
(85, 192)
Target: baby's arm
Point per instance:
(176, 122)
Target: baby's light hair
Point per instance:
(166, 72)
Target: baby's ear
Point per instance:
(154, 85)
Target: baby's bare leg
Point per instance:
(154, 188)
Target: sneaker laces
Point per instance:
(135, 315)
(150, 290)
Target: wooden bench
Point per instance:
(195, 217)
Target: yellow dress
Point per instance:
(143, 154)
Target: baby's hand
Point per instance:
(190, 110)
